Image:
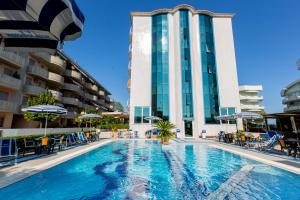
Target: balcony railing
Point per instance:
(101, 102)
(53, 60)
(9, 82)
(252, 107)
(91, 87)
(7, 106)
(73, 74)
(12, 58)
(101, 93)
(292, 109)
(251, 98)
(33, 90)
(38, 71)
(71, 115)
(73, 87)
(89, 107)
(72, 101)
(56, 78)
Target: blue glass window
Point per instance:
(146, 113)
(138, 115)
(186, 74)
(160, 66)
(209, 70)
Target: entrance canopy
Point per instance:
(39, 24)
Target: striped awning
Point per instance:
(49, 109)
(32, 25)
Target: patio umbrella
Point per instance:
(90, 117)
(46, 109)
(34, 25)
(246, 116)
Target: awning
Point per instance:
(32, 25)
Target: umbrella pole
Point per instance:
(46, 123)
(90, 126)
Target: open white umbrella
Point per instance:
(90, 117)
(46, 109)
(247, 115)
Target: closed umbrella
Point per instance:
(34, 25)
(90, 117)
(46, 109)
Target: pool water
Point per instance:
(145, 170)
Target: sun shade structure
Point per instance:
(32, 25)
(46, 109)
(153, 118)
(90, 117)
(247, 115)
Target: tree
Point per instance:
(44, 98)
(165, 128)
(118, 107)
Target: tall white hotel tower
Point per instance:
(182, 69)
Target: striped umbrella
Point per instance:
(46, 109)
(32, 25)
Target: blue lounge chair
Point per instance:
(8, 152)
(267, 145)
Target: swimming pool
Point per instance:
(145, 170)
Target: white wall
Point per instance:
(140, 94)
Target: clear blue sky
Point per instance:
(267, 41)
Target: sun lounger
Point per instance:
(8, 152)
(267, 145)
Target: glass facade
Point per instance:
(209, 70)
(140, 113)
(160, 66)
(186, 73)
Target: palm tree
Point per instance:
(165, 128)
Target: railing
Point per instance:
(73, 74)
(55, 60)
(252, 107)
(91, 87)
(292, 109)
(56, 94)
(73, 87)
(10, 82)
(251, 88)
(89, 107)
(72, 101)
(101, 93)
(12, 58)
(38, 71)
(7, 106)
(33, 90)
(251, 98)
(56, 78)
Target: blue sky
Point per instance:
(267, 41)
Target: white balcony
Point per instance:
(56, 78)
(252, 108)
(37, 70)
(7, 106)
(72, 101)
(251, 88)
(73, 74)
(10, 82)
(55, 61)
(251, 98)
(73, 88)
(290, 109)
(12, 58)
(33, 90)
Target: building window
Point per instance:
(209, 70)
(160, 66)
(2, 121)
(186, 73)
(140, 113)
(228, 111)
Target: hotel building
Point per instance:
(27, 75)
(182, 69)
(291, 96)
(251, 98)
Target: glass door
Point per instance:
(188, 127)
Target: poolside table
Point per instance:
(294, 143)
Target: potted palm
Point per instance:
(165, 128)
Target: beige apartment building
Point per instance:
(26, 75)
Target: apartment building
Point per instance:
(182, 68)
(291, 95)
(251, 98)
(26, 75)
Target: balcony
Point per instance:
(9, 82)
(252, 108)
(291, 97)
(37, 70)
(91, 87)
(12, 58)
(33, 90)
(56, 78)
(251, 88)
(71, 115)
(56, 62)
(101, 102)
(101, 93)
(291, 109)
(72, 101)
(73, 74)
(89, 107)
(73, 88)
(7, 106)
(91, 97)
(57, 95)
(251, 98)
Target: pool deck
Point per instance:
(10, 175)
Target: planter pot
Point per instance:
(165, 141)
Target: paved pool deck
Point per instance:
(25, 169)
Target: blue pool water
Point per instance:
(146, 170)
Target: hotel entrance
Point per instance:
(188, 128)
